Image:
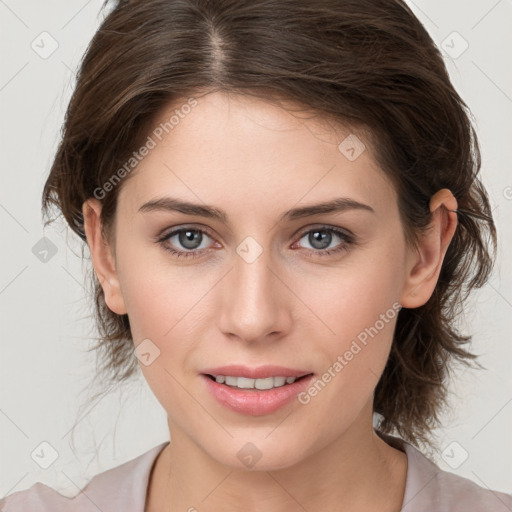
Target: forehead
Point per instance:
(247, 152)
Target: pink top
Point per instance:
(123, 488)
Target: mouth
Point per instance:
(258, 391)
(261, 384)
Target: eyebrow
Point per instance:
(172, 204)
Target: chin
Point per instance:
(260, 455)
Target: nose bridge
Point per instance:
(251, 308)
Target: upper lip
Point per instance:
(260, 372)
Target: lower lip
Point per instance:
(256, 402)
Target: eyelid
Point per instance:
(167, 232)
(326, 227)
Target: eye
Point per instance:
(190, 239)
(320, 238)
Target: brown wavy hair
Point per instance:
(369, 64)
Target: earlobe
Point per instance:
(102, 256)
(426, 262)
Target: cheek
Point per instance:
(358, 305)
(360, 315)
(165, 304)
(156, 293)
(354, 296)
(160, 304)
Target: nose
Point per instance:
(256, 302)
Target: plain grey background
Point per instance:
(44, 308)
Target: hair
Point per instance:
(368, 64)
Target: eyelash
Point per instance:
(347, 240)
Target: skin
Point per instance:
(289, 307)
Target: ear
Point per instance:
(102, 255)
(425, 263)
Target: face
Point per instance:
(316, 293)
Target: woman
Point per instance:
(282, 206)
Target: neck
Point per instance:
(358, 472)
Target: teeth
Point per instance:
(245, 383)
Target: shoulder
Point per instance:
(430, 488)
(120, 488)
